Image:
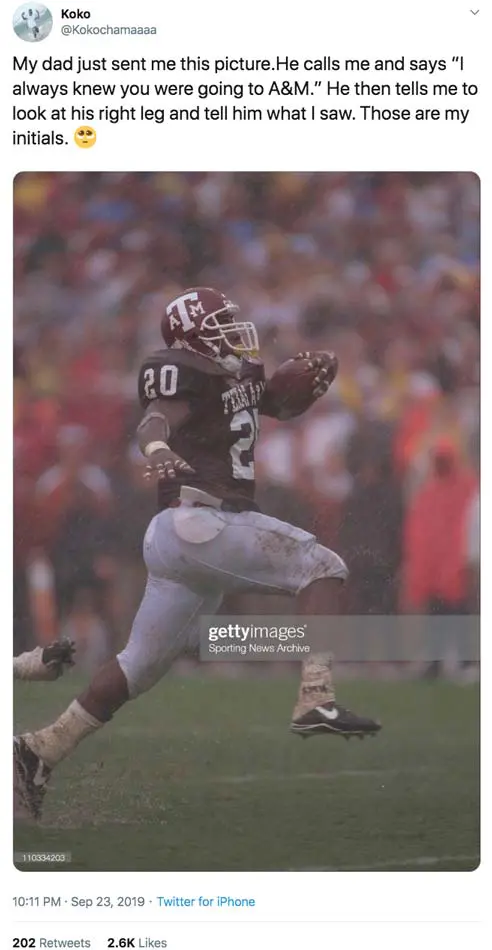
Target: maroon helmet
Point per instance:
(202, 319)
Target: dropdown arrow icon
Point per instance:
(474, 12)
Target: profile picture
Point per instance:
(32, 22)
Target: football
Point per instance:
(291, 386)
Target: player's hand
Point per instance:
(58, 655)
(166, 466)
(325, 368)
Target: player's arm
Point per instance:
(45, 663)
(160, 420)
(323, 367)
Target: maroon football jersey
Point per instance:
(218, 437)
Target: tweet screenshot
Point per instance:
(243, 243)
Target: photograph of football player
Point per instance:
(32, 23)
(202, 397)
(252, 397)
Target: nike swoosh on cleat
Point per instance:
(328, 713)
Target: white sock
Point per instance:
(316, 685)
(55, 742)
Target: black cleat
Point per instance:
(32, 775)
(335, 720)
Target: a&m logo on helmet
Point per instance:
(184, 310)
(203, 320)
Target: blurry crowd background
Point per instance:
(381, 268)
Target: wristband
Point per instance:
(155, 447)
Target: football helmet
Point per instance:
(203, 320)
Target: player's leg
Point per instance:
(165, 621)
(316, 575)
(317, 710)
(256, 552)
(319, 598)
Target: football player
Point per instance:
(202, 398)
(31, 19)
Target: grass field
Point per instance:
(202, 774)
